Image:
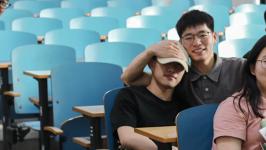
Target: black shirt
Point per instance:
(138, 107)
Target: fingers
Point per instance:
(167, 48)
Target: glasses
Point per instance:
(263, 63)
(4, 4)
(203, 36)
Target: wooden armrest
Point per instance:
(82, 141)
(164, 36)
(40, 39)
(12, 93)
(53, 130)
(88, 14)
(103, 38)
(35, 101)
(86, 143)
(138, 13)
(220, 34)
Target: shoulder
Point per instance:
(233, 65)
(229, 120)
(130, 93)
(233, 107)
(132, 90)
(233, 61)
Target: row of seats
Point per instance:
(121, 14)
(85, 45)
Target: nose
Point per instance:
(196, 41)
(172, 68)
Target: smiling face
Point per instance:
(166, 75)
(199, 41)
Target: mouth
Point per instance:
(168, 76)
(199, 50)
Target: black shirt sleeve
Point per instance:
(124, 110)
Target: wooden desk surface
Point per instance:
(90, 111)
(39, 74)
(164, 134)
(4, 65)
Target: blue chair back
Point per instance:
(119, 53)
(235, 47)
(172, 34)
(154, 22)
(102, 25)
(245, 18)
(195, 127)
(135, 5)
(109, 100)
(12, 39)
(84, 5)
(75, 38)
(173, 3)
(63, 14)
(34, 6)
(249, 7)
(120, 13)
(35, 57)
(226, 3)
(37, 26)
(135, 35)
(244, 31)
(2, 25)
(161, 11)
(12, 14)
(73, 127)
(81, 84)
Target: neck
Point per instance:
(263, 91)
(205, 66)
(161, 92)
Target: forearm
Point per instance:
(134, 74)
(138, 142)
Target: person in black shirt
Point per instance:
(149, 106)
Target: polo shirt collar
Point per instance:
(213, 74)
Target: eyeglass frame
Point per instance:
(262, 62)
(202, 35)
(4, 4)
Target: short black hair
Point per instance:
(193, 18)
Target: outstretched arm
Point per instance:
(134, 74)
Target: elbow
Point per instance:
(124, 78)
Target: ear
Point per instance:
(151, 64)
(252, 69)
(215, 37)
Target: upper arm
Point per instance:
(229, 125)
(228, 143)
(124, 132)
(124, 112)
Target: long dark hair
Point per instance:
(249, 89)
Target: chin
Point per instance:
(171, 85)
